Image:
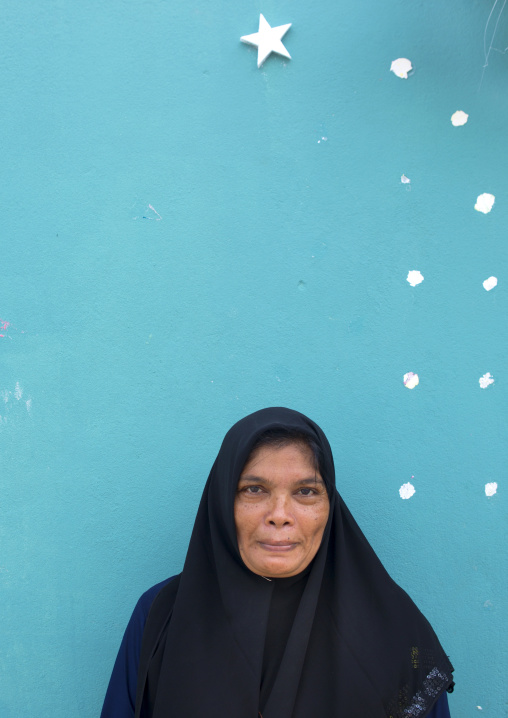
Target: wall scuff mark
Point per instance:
(407, 490)
(4, 326)
(147, 211)
(459, 118)
(486, 380)
(411, 380)
(484, 202)
(490, 488)
(414, 277)
(401, 67)
(490, 283)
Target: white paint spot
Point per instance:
(28, 405)
(459, 118)
(401, 67)
(323, 139)
(411, 380)
(491, 488)
(490, 283)
(18, 391)
(414, 277)
(5, 395)
(406, 491)
(405, 180)
(479, 708)
(486, 380)
(484, 202)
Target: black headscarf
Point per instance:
(358, 646)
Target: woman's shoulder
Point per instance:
(139, 616)
(121, 694)
(440, 709)
(147, 598)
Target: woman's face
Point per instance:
(281, 510)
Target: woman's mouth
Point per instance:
(277, 546)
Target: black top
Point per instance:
(120, 698)
(286, 596)
(357, 645)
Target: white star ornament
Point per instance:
(267, 40)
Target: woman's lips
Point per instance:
(278, 547)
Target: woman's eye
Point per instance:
(307, 492)
(253, 490)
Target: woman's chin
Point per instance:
(279, 568)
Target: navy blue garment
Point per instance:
(120, 698)
(121, 694)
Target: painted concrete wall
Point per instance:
(187, 238)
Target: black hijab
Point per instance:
(358, 646)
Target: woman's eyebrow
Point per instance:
(313, 480)
(251, 478)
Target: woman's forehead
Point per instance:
(294, 452)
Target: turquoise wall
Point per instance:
(270, 271)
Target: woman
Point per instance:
(282, 609)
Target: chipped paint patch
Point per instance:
(146, 211)
(486, 380)
(4, 326)
(414, 277)
(407, 490)
(459, 118)
(411, 380)
(13, 406)
(484, 202)
(6, 329)
(322, 133)
(405, 180)
(401, 67)
(490, 488)
(490, 283)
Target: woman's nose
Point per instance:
(279, 514)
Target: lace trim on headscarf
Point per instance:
(433, 685)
